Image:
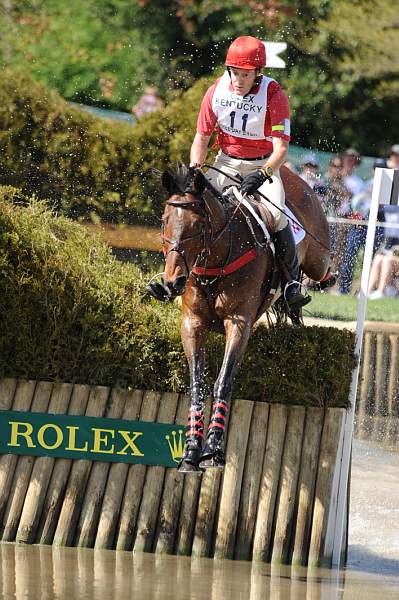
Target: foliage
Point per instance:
(342, 72)
(71, 312)
(86, 167)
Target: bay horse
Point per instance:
(217, 260)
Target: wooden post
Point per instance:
(116, 482)
(237, 441)
(23, 470)
(269, 481)
(41, 473)
(22, 400)
(135, 482)
(323, 508)
(93, 495)
(393, 381)
(251, 481)
(288, 484)
(79, 475)
(207, 508)
(172, 493)
(306, 484)
(59, 477)
(147, 517)
(367, 386)
(189, 501)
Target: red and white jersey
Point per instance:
(246, 124)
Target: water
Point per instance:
(43, 572)
(46, 573)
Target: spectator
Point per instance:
(351, 160)
(393, 160)
(384, 271)
(310, 166)
(356, 236)
(148, 102)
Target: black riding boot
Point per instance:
(286, 252)
(213, 453)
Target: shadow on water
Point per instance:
(36, 572)
(362, 559)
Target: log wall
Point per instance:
(377, 416)
(275, 500)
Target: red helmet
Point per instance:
(246, 52)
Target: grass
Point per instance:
(344, 308)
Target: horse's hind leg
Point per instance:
(237, 334)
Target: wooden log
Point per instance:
(288, 484)
(208, 501)
(7, 392)
(23, 470)
(393, 381)
(189, 501)
(367, 382)
(251, 481)
(60, 473)
(116, 481)
(381, 368)
(237, 441)
(147, 517)
(65, 531)
(41, 473)
(22, 400)
(171, 496)
(7, 581)
(269, 482)
(323, 506)
(135, 482)
(307, 483)
(90, 512)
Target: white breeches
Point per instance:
(274, 191)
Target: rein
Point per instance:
(239, 181)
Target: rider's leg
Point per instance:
(284, 243)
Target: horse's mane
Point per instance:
(182, 176)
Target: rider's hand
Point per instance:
(253, 181)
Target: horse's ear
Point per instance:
(168, 182)
(199, 182)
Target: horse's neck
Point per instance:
(218, 213)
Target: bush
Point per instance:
(87, 167)
(71, 312)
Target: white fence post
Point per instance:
(385, 191)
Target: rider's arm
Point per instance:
(279, 154)
(199, 149)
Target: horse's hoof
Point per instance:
(215, 460)
(186, 467)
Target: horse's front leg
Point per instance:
(193, 338)
(238, 330)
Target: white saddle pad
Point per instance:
(296, 229)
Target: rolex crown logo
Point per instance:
(176, 446)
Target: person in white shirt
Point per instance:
(351, 160)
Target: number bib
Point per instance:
(241, 116)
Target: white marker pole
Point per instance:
(385, 188)
(273, 49)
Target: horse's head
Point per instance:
(185, 230)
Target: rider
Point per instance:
(252, 117)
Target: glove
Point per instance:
(253, 181)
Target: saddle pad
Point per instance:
(297, 231)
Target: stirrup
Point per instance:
(295, 299)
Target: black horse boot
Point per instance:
(213, 452)
(286, 253)
(192, 454)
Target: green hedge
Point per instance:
(71, 312)
(87, 167)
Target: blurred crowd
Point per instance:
(344, 195)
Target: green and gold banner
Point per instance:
(91, 438)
